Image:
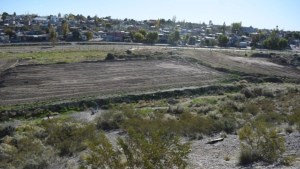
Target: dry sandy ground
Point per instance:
(212, 156)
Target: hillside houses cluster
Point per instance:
(33, 28)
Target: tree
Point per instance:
(151, 37)
(174, 19)
(89, 35)
(138, 37)
(76, 35)
(52, 35)
(223, 28)
(192, 40)
(274, 42)
(10, 32)
(143, 32)
(223, 40)
(108, 26)
(236, 27)
(65, 28)
(282, 43)
(174, 38)
(4, 15)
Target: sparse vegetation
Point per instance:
(260, 143)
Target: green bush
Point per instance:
(259, 143)
(24, 150)
(251, 108)
(68, 136)
(101, 154)
(110, 121)
(294, 118)
(154, 149)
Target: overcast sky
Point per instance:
(256, 13)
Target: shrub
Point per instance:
(110, 56)
(247, 92)
(258, 143)
(68, 136)
(271, 117)
(251, 108)
(295, 118)
(110, 121)
(289, 130)
(288, 161)
(267, 92)
(101, 154)
(154, 149)
(24, 150)
(176, 110)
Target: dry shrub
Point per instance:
(259, 143)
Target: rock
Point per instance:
(214, 141)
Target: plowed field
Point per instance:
(31, 83)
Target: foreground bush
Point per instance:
(154, 149)
(67, 136)
(258, 143)
(101, 154)
(23, 150)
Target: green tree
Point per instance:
(52, 35)
(4, 15)
(174, 37)
(143, 32)
(223, 28)
(138, 37)
(89, 35)
(236, 27)
(192, 40)
(108, 26)
(274, 42)
(10, 32)
(151, 37)
(282, 43)
(65, 28)
(76, 35)
(223, 40)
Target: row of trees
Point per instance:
(145, 37)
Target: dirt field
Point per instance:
(31, 83)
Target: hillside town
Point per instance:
(69, 27)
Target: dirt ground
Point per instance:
(31, 83)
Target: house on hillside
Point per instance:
(40, 20)
(116, 36)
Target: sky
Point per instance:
(257, 13)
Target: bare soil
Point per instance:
(261, 66)
(225, 154)
(31, 83)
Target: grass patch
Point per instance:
(50, 57)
